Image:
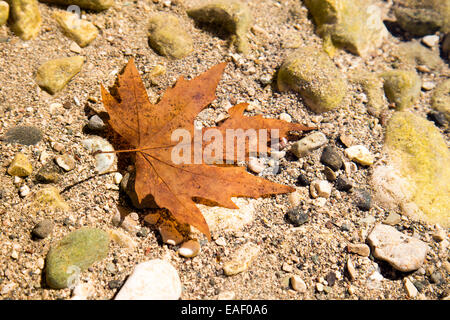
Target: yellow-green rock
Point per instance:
(402, 87)
(81, 31)
(372, 85)
(233, 16)
(355, 25)
(53, 75)
(419, 152)
(4, 12)
(26, 18)
(422, 17)
(411, 54)
(312, 73)
(440, 100)
(20, 166)
(168, 38)
(96, 5)
(73, 254)
(50, 196)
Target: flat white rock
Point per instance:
(152, 280)
(103, 161)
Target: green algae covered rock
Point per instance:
(168, 38)
(440, 100)
(20, 166)
(96, 5)
(313, 74)
(422, 17)
(412, 53)
(50, 197)
(420, 154)
(372, 85)
(53, 75)
(4, 12)
(354, 25)
(402, 87)
(234, 16)
(74, 254)
(26, 18)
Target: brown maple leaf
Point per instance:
(149, 129)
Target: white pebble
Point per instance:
(117, 177)
(226, 295)
(256, 165)
(189, 249)
(428, 85)
(285, 117)
(320, 188)
(24, 191)
(298, 284)
(411, 290)
(431, 40)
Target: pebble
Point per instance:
(360, 154)
(428, 85)
(96, 123)
(114, 284)
(103, 161)
(117, 177)
(329, 174)
(43, 229)
(151, 280)
(285, 117)
(83, 291)
(48, 173)
(343, 183)
(411, 290)
(351, 270)
(189, 249)
(296, 216)
(439, 235)
(298, 284)
(226, 295)
(75, 48)
(320, 188)
(20, 166)
(331, 158)
(25, 135)
(256, 165)
(66, 162)
(347, 140)
(437, 277)
(122, 239)
(73, 254)
(303, 180)
(79, 30)
(431, 40)
(24, 191)
(331, 278)
(359, 248)
(286, 267)
(403, 252)
(350, 168)
(363, 199)
(393, 219)
(312, 142)
(294, 199)
(169, 233)
(50, 197)
(221, 241)
(319, 287)
(241, 259)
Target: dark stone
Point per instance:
(331, 278)
(331, 158)
(303, 180)
(42, 229)
(438, 118)
(343, 183)
(437, 278)
(49, 173)
(26, 135)
(329, 174)
(114, 284)
(143, 232)
(96, 123)
(363, 199)
(345, 227)
(420, 285)
(296, 216)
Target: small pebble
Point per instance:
(319, 287)
(226, 295)
(359, 248)
(439, 235)
(24, 191)
(393, 219)
(294, 199)
(437, 277)
(286, 267)
(189, 249)
(363, 199)
(329, 174)
(320, 188)
(96, 123)
(256, 165)
(298, 284)
(431, 40)
(66, 162)
(343, 183)
(114, 284)
(331, 278)
(428, 85)
(42, 229)
(331, 158)
(360, 154)
(296, 216)
(351, 270)
(117, 177)
(303, 180)
(410, 288)
(285, 117)
(221, 241)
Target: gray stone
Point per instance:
(392, 219)
(304, 146)
(343, 183)
(402, 252)
(331, 158)
(43, 229)
(26, 135)
(296, 216)
(96, 123)
(363, 199)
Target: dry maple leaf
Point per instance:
(148, 128)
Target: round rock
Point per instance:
(331, 158)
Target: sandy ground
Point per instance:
(314, 250)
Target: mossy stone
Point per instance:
(81, 31)
(422, 17)
(440, 100)
(402, 87)
(4, 12)
(234, 16)
(54, 75)
(168, 38)
(96, 5)
(421, 155)
(412, 53)
(74, 254)
(355, 25)
(372, 85)
(313, 74)
(20, 166)
(26, 18)
(50, 196)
